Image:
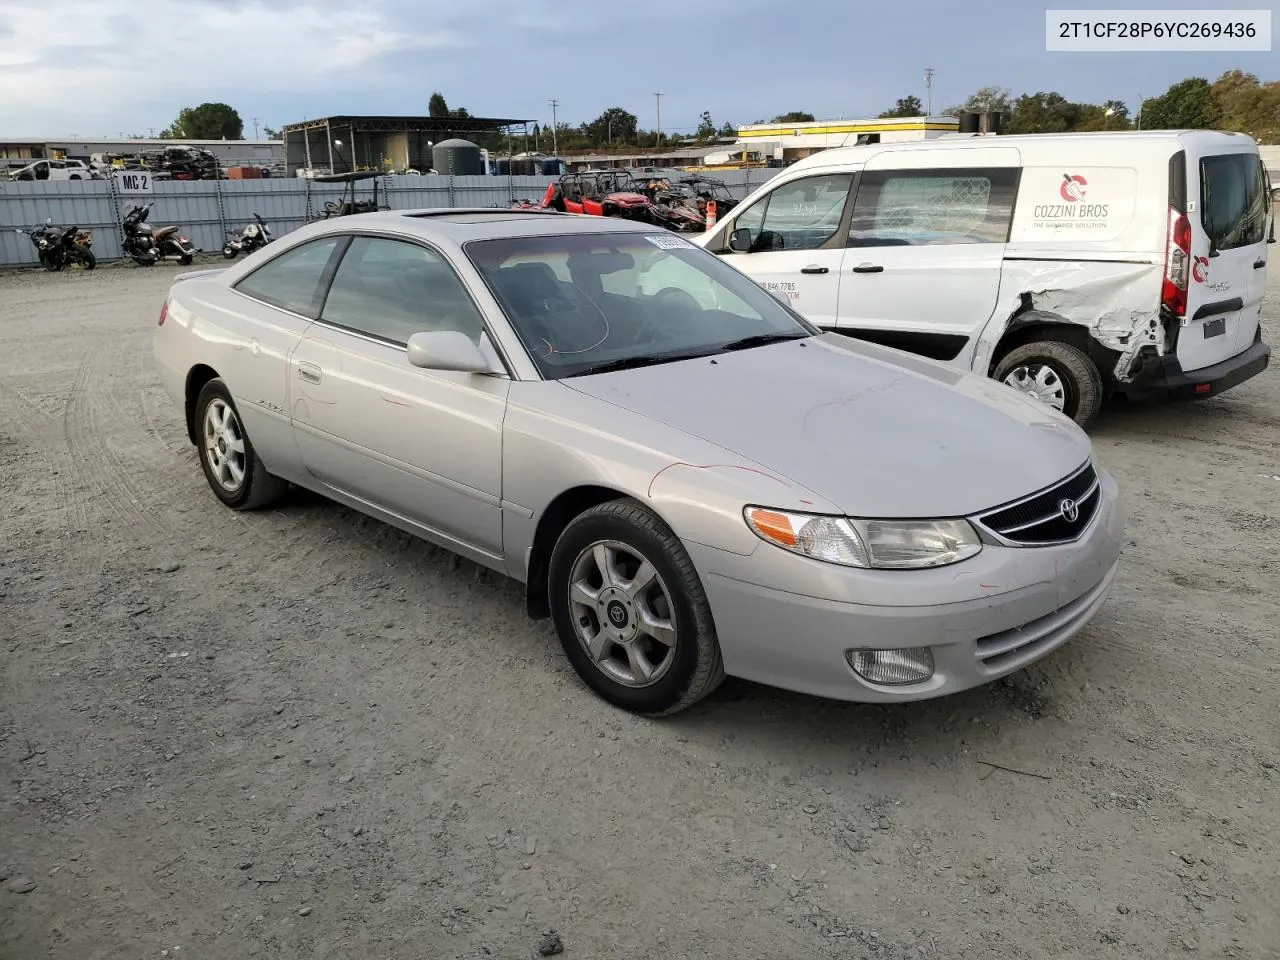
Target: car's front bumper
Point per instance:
(1164, 379)
(981, 619)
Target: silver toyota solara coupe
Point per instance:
(690, 479)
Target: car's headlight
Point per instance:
(871, 544)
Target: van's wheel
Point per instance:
(630, 610)
(233, 468)
(1059, 374)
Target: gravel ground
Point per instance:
(298, 733)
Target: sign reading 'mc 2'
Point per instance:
(132, 181)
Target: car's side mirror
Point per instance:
(740, 240)
(447, 350)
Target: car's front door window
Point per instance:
(392, 289)
(804, 214)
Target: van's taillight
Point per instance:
(164, 312)
(1177, 263)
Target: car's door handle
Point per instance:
(1259, 264)
(868, 268)
(309, 372)
(814, 268)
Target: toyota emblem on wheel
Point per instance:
(1070, 510)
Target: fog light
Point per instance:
(912, 665)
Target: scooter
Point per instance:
(147, 245)
(59, 247)
(254, 236)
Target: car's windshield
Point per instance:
(581, 301)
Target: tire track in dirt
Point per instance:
(99, 467)
(47, 442)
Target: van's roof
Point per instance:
(860, 154)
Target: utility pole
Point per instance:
(657, 139)
(928, 87)
(255, 128)
(555, 146)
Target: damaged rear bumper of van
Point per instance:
(1162, 378)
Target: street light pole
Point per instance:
(928, 88)
(657, 140)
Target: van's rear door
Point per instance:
(1227, 212)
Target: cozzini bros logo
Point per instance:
(1073, 213)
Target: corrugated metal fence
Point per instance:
(206, 209)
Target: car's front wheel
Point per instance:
(233, 468)
(630, 610)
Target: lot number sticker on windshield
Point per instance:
(668, 242)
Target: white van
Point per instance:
(1069, 266)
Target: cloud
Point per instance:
(70, 64)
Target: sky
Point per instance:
(96, 68)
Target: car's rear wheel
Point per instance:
(630, 610)
(233, 468)
(1058, 374)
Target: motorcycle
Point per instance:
(59, 247)
(254, 236)
(147, 245)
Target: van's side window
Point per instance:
(800, 215)
(918, 207)
(1233, 203)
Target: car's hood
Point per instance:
(875, 431)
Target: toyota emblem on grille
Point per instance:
(1070, 510)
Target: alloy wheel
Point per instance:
(224, 447)
(622, 613)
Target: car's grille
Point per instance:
(1041, 519)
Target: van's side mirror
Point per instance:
(740, 240)
(447, 350)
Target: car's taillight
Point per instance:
(1177, 263)
(164, 312)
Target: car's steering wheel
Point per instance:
(672, 303)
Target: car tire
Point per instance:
(237, 477)
(1057, 373)
(627, 538)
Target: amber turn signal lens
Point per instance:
(773, 526)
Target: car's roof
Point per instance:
(485, 223)
(861, 153)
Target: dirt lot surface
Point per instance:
(297, 733)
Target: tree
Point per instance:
(271, 133)
(986, 100)
(1184, 106)
(1044, 113)
(1240, 104)
(615, 125)
(209, 121)
(795, 116)
(727, 129)
(706, 131)
(905, 107)
(436, 106)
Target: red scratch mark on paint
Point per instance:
(398, 403)
(711, 466)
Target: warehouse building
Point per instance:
(789, 142)
(342, 144)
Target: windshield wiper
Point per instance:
(642, 360)
(760, 339)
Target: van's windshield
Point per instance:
(1233, 202)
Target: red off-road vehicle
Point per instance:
(599, 193)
